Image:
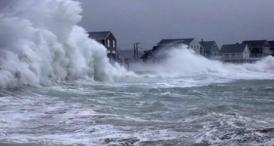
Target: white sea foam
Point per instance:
(40, 43)
(182, 62)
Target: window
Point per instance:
(114, 44)
(108, 43)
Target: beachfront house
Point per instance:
(235, 53)
(258, 48)
(211, 49)
(107, 39)
(271, 44)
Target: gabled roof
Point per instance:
(208, 44)
(271, 43)
(256, 43)
(188, 40)
(99, 35)
(233, 48)
(175, 41)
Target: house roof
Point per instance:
(175, 41)
(233, 48)
(99, 35)
(255, 43)
(208, 44)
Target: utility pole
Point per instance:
(136, 51)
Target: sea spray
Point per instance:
(184, 62)
(41, 43)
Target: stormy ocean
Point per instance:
(57, 88)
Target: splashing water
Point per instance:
(184, 100)
(40, 42)
(183, 62)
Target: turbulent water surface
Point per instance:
(57, 88)
(146, 112)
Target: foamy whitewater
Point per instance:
(57, 88)
(183, 62)
(42, 43)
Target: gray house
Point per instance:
(211, 49)
(236, 53)
(258, 48)
(107, 39)
(271, 44)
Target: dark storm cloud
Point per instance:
(4, 3)
(147, 21)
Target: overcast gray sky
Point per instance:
(148, 21)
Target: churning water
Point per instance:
(57, 88)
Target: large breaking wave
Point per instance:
(40, 43)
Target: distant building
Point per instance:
(235, 53)
(258, 48)
(271, 44)
(211, 49)
(107, 39)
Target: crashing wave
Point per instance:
(40, 43)
(183, 62)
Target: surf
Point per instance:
(41, 43)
